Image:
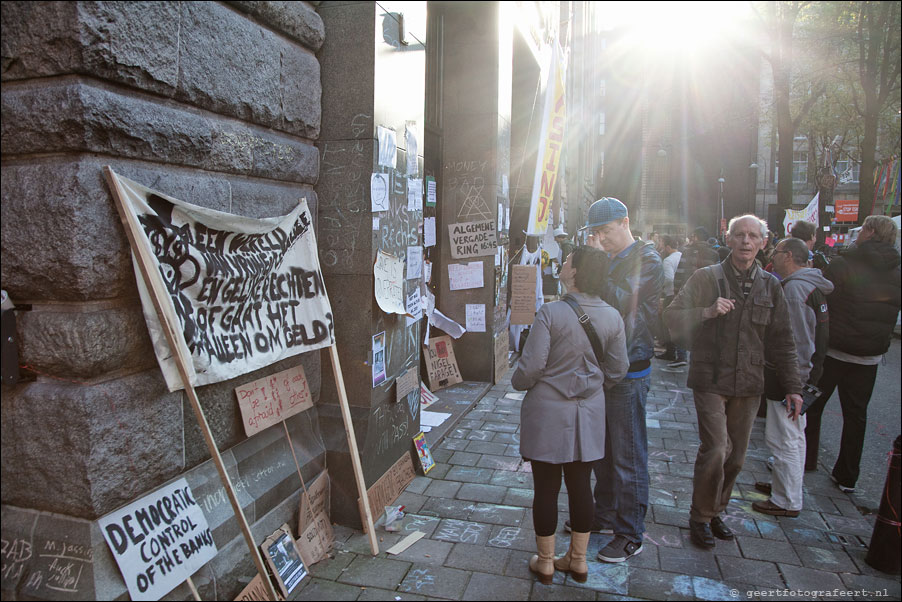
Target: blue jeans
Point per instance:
(621, 477)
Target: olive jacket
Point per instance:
(727, 352)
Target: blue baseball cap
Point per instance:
(604, 211)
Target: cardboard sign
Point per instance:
(390, 485)
(284, 558)
(406, 383)
(523, 294)
(502, 363)
(388, 272)
(426, 461)
(473, 239)
(441, 365)
(271, 399)
(315, 501)
(316, 540)
(245, 292)
(159, 540)
(255, 591)
(846, 210)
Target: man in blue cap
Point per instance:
(635, 283)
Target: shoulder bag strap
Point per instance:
(587, 326)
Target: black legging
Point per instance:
(546, 487)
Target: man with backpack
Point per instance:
(730, 313)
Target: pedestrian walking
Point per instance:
(864, 306)
(567, 375)
(730, 312)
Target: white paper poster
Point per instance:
(475, 317)
(415, 305)
(158, 541)
(388, 147)
(464, 276)
(427, 271)
(414, 194)
(375, 223)
(378, 358)
(414, 262)
(411, 139)
(379, 191)
(429, 232)
(389, 283)
(431, 196)
(228, 278)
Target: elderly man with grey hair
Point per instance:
(729, 313)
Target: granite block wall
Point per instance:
(215, 103)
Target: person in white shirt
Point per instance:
(671, 259)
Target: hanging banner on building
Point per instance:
(847, 210)
(551, 143)
(246, 292)
(809, 214)
(159, 540)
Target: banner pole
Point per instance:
(352, 444)
(158, 291)
(193, 589)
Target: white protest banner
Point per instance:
(389, 283)
(159, 541)
(809, 214)
(414, 194)
(410, 136)
(271, 399)
(246, 292)
(472, 239)
(462, 276)
(414, 262)
(388, 147)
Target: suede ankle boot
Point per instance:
(542, 564)
(574, 561)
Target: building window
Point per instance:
(601, 89)
(601, 123)
(848, 171)
(799, 167)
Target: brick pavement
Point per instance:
(475, 509)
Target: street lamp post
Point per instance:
(723, 218)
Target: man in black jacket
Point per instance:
(863, 309)
(696, 255)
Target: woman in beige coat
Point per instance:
(562, 420)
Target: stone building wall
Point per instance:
(217, 104)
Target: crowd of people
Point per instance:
(759, 322)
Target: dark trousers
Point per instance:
(546, 479)
(856, 383)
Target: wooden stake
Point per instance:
(193, 589)
(352, 443)
(157, 288)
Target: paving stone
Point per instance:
(849, 525)
(835, 560)
(890, 588)
(499, 514)
(801, 578)
(442, 455)
(469, 475)
(770, 530)
(670, 516)
(447, 508)
(660, 535)
(426, 551)
(375, 572)
(455, 444)
(322, 589)
(412, 502)
(562, 593)
(515, 496)
(360, 543)
(724, 547)
(764, 549)
(506, 478)
(499, 462)
(513, 538)
(501, 427)
(754, 572)
(419, 484)
(858, 557)
(480, 492)
(437, 582)
(459, 433)
(470, 423)
(605, 577)
(330, 568)
(513, 450)
(459, 531)
(496, 587)
(439, 471)
(461, 458)
(481, 435)
(710, 589)
(477, 558)
(658, 585)
(442, 488)
(487, 447)
(507, 438)
(372, 593)
(689, 561)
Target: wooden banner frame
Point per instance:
(157, 290)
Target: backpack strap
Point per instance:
(587, 326)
